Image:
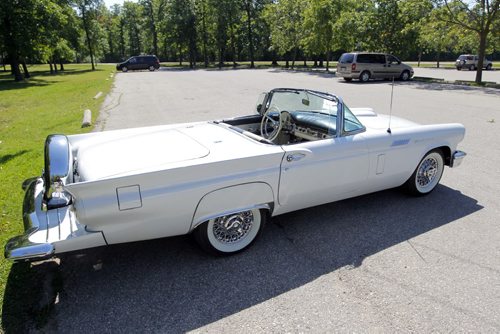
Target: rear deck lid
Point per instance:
(133, 153)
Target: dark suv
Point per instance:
(139, 63)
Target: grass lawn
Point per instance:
(29, 111)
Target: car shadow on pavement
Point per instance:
(169, 285)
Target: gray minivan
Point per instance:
(368, 65)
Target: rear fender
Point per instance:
(233, 199)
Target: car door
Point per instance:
(322, 171)
(132, 64)
(378, 66)
(393, 67)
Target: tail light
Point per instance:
(58, 171)
(353, 67)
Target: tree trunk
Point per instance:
(250, 34)
(204, 39)
(25, 70)
(294, 57)
(18, 76)
(55, 65)
(180, 55)
(328, 56)
(51, 68)
(87, 36)
(482, 49)
(437, 57)
(305, 62)
(274, 61)
(321, 63)
(419, 57)
(153, 27)
(61, 65)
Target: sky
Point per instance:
(110, 3)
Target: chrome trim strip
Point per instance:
(230, 212)
(457, 158)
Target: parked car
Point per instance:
(471, 62)
(139, 63)
(222, 180)
(368, 65)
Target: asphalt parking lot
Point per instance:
(384, 262)
(453, 74)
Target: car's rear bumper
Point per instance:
(47, 232)
(21, 247)
(457, 158)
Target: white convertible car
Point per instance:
(222, 180)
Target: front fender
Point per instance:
(233, 199)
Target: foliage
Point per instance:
(221, 31)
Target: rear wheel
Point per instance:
(364, 76)
(151, 68)
(427, 174)
(472, 68)
(488, 67)
(232, 233)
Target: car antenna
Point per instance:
(390, 109)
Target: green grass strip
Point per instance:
(29, 111)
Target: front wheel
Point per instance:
(348, 79)
(151, 68)
(488, 67)
(405, 76)
(232, 233)
(124, 69)
(427, 174)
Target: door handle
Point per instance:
(295, 157)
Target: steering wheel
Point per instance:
(268, 121)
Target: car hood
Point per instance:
(126, 152)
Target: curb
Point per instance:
(485, 84)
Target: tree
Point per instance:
(476, 17)
(285, 21)
(87, 10)
(180, 28)
(319, 18)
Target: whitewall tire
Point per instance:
(231, 233)
(427, 175)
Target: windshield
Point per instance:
(303, 101)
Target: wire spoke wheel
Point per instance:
(231, 233)
(427, 175)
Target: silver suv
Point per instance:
(368, 65)
(470, 62)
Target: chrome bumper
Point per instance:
(457, 158)
(20, 247)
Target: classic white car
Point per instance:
(222, 180)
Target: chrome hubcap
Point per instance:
(427, 172)
(232, 228)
